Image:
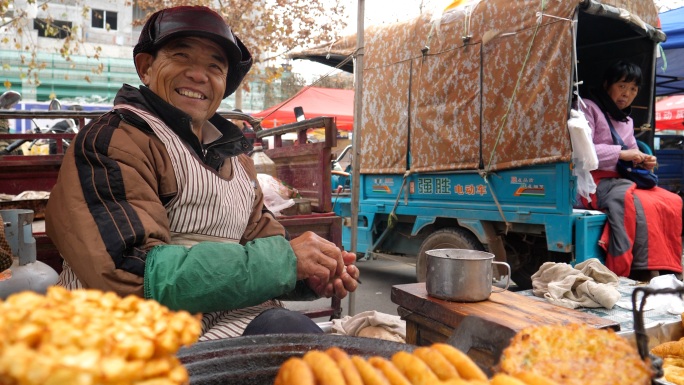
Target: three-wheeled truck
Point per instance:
(464, 128)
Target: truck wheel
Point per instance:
(449, 238)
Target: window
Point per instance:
(103, 19)
(55, 29)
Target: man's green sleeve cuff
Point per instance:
(212, 276)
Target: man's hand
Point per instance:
(341, 285)
(317, 257)
(326, 269)
(348, 281)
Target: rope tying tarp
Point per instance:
(392, 220)
(485, 173)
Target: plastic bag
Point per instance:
(583, 153)
(285, 191)
(276, 193)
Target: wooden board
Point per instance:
(508, 309)
(19, 173)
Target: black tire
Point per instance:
(522, 277)
(449, 238)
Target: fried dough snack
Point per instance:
(439, 364)
(674, 370)
(672, 354)
(85, 337)
(669, 349)
(574, 355)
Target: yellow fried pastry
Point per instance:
(467, 369)
(325, 369)
(349, 371)
(674, 374)
(369, 374)
(85, 337)
(389, 371)
(575, 354)
(414, 368)
(530, 378)
(438, 364)
(672, 348)
(673, 369)
(295, 371)
(505, 379)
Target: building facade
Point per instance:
(99, 56)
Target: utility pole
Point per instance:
(358, 107)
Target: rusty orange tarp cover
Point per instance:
(453, 97)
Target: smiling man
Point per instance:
(157, 198)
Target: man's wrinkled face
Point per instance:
(189, 73)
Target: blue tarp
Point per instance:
(670, 72)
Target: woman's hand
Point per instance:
(638, 158)
(633, 155)
(649, 162)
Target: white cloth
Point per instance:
(670, 303)
(29, 195)
(372, 324)
(588, 284)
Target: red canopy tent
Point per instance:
(670, 113)
(315, 102)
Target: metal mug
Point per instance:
(462, 275)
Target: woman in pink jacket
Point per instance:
(642, 238)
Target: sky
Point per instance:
(666, 5)
(375, 12)
(389, 11)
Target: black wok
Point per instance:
(255, 360)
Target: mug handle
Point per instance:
(508, 277)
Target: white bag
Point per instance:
(583, 153)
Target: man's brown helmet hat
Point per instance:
(185, 21)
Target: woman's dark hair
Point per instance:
(622, 70)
